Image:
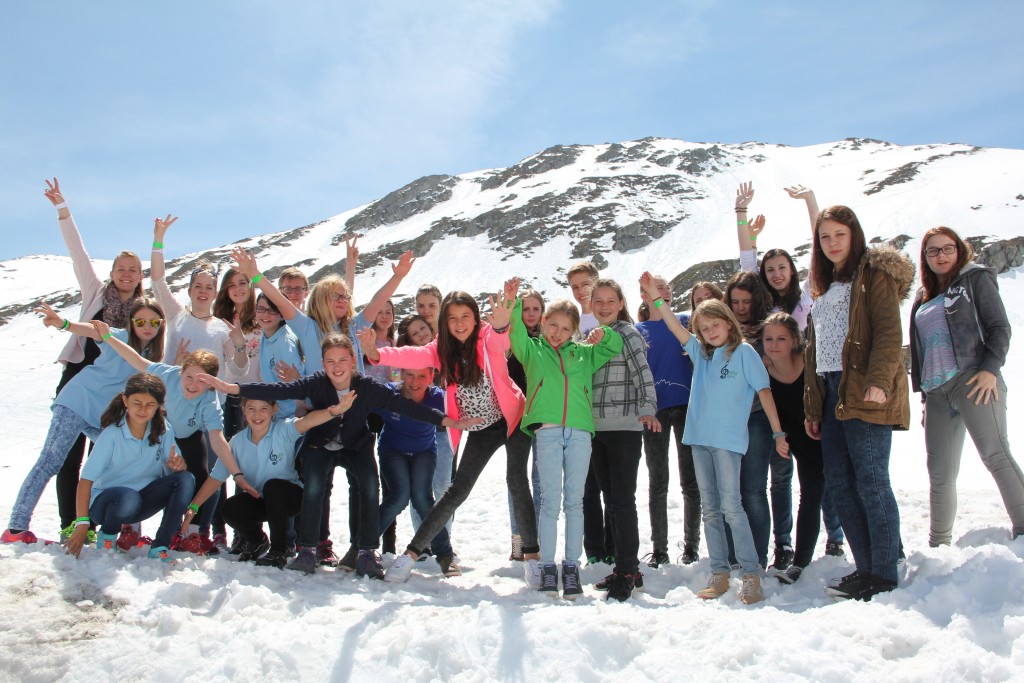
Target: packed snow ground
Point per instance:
(958, 615)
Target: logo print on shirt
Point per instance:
(726, 372)
(192, 421)
(274, 458)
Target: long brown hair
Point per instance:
(224, 307)
(613, 285)
(458, 359)
(933, 286)
(788, 299)
(823, 271)
(142, 383)
(760, 298)
(403, 329)
(152, 351)
(716, 291)
(531, 293)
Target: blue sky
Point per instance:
(257, 116)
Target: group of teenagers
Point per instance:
(273, 387)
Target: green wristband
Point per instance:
(158, 245)
(107, 336)
(256, 278)
(193, 507)
(66, 325)
(86, 520)
(658, 303)
(741, 223)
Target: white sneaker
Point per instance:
(533, 574)
(400, 569)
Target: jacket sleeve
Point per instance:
(280, 391)
(636, 359)
(814, 394)
(89, 283)
(886, 355)
(609, 347)
(992, 318)
(915, 346)
(410, 357)
(390, 400)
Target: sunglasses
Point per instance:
(141, 322)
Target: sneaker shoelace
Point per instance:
(550, 581)
(570, 580)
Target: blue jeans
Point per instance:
(409, 478)
(122, 505)
(442, 478)
(718, 476)
(833, 528)
(782, 497)
(856, 458)
(317, 470)
(563, 460)
(754, 485)
(65, 427)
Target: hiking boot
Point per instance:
(656, 559)
(424, 555)
(834, 549)
(348, 562)
(128, 538)
(866, 589)
(326, 558)
(106, 541)
(689, 554)
(750, 591)
(193, 543)
(368, 564)
(621, 587)
(718, 585)
(638, 581)
(1017, 532)
(207, 546)
(220, 542)
(571, 588)
(605, 583)
(253, 549)
(790, 576)
(274, 558)
(848, 586)
(449, 567)
(517, 548)
(783, 558)
(400, 569)
(160, 553)
(532, 571)
(549, 580)
(304, 562)
(25, 536)
(236, 544)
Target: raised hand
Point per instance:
(174, 461)
(512, 288)
(647, 286)
(53, 192)
(744, 195)
(50, 317)
(368, 342)
(160, 226)
(351, 250)
(404, 265)
(245, 262)
(755, 227)
(501, 311)
(286, 372)
(800, 192)
(179, 355)
(343, 404)
(213, 382)
(595, 336)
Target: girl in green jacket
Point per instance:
(559, 377)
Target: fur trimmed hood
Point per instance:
(896, 264)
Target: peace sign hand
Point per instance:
(160, 226)
(50, 317)
(53, 192)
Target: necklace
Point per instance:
(200, 317)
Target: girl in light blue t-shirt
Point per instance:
(133, 472)
(727, 372)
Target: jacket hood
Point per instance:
(894, 263)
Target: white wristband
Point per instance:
(82, 523)
(62, 205)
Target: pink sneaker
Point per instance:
(21, 537)
(193, 543)
(128, 539)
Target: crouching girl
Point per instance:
(265, 452)
(133, 472)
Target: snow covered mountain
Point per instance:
(658, 204)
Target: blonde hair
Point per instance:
(716, 310)
(138, 262)
(566, 308)
(321, 309)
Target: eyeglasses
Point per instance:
(293, 290)
(263, 310)
(141, 322)
(344, 298)
(948, 250)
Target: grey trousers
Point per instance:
(948, 414)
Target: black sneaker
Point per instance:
(833, 549)
(368, 564)
(790, 575)
(638, 581)
(254, 549)
(870, 588)
(571, 588)
(236, 544)
(449, 566)
(621, 587)
(783, 558)
(689, 554)
(275, 558)
(605, 583)
(849, 586)
(549, 580)
(425, 554)
(656, 559)
(1017, 532)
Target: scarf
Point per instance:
(115, 311)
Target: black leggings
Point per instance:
(193, 451)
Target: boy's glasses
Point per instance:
(263, 310)
(948, 250)
(293, 290)
(141, 322)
